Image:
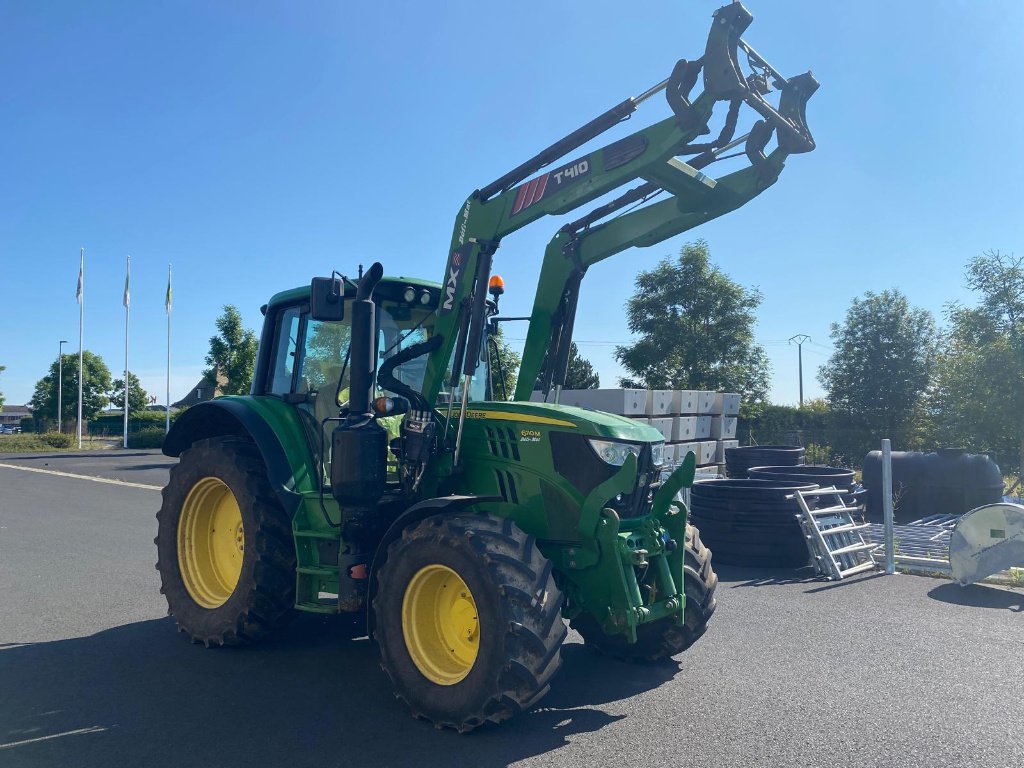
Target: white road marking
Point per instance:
(93, 729)
(82, 477)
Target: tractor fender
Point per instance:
(227, 417)
(414, 514)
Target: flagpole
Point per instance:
(168, 303)
(127, 312)
(81, 336)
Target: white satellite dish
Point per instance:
(987, 540)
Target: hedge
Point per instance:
(113, 423)
(35, 442)
(152, 437)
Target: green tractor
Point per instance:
(372, 472)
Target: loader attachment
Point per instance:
(987, 540)
(548, 184)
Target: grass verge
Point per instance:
(48, 441)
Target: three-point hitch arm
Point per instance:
(652, 155)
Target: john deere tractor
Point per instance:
(371, 471)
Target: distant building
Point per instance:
(205, 390)
(12, 415)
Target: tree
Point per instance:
(232, 353)
(137, 397)
(883, 360)
(696, 328)
(95, 387)
(978, 397)
(504, 366)
(325, 354)
(579, 373)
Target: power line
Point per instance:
(626, 342)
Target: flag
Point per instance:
(167, 300)
(127, 280)
(81, 279)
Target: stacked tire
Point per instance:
(739, 460)
(751, 522)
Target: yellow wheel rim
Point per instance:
(440, 624)
(211, 542)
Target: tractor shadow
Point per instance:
(141, 694)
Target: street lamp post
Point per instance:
(60, 382)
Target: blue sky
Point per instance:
(257, 144)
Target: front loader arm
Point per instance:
(525, 194)
(570, 253)
(483, 223)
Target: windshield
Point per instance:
(400, 326)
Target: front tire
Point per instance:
(224, 545)
(663, 639)
(468, 620)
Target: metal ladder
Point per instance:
(833, 537)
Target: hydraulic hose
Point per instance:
(387, 380)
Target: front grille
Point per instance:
(576, 461)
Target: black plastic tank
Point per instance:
(750, 522)
(947, 482)
(826, 477)
(739, 460)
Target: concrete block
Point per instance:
(721, 448)
(684, 448)
(663, 425)
(726, 404)
(705, 402)
(723, 427)
(623, 402)
(659, 402)
(703, 427)
(707, 452)
(684, 401)
(684, 428)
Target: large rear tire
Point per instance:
(468, 620)
(663, 639)
(224, 545)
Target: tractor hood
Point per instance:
(564, 417)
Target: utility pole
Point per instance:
(799, 340)
(60, 382)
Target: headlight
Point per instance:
(614, 453)
(658, 454)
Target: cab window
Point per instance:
(325, 361)
(285, 345)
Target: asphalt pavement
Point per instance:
(877, 671)
(148, 467)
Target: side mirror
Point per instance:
(327, 298)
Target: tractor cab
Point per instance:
(305, 355)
